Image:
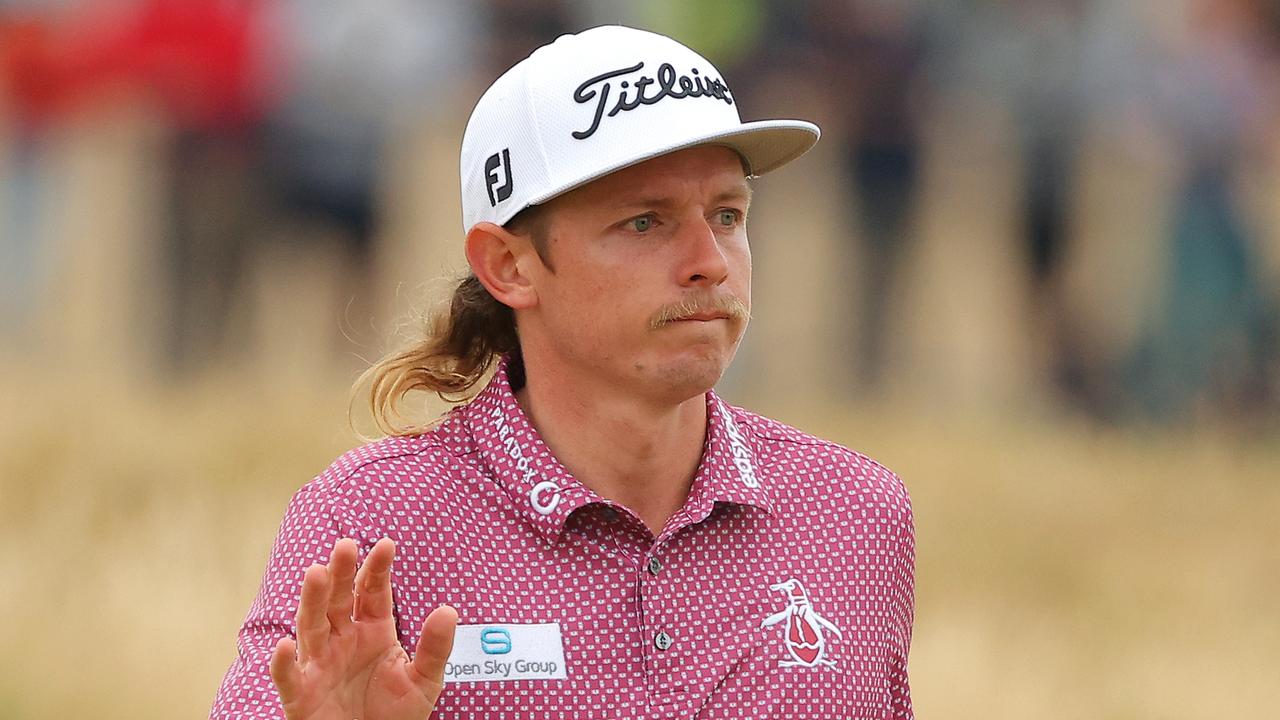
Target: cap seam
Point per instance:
(536, 122)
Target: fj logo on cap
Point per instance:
(491, 167)
(644, 90)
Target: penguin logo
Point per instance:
(804, 627)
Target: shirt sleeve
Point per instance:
(313, 522)
(904, 616)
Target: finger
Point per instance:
(373, 582)
(434, 646)
(313, 625)
(284, 669)
(342, 573)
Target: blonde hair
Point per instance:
(461, 343)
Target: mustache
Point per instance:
(729, 305)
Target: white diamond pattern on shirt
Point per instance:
(457, 504)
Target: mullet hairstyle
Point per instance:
(463, 340)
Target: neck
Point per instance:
(638, 453)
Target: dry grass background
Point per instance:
(1064, 572)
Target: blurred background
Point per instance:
(1032, 266)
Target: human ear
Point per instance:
(494, 255)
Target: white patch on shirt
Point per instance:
(738, 448)
(495, 652)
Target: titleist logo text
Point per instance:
(644, 90)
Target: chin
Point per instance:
(693, 372)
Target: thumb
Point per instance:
(434, 646)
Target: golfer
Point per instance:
(594, 533)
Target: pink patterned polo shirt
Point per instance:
(782, 589)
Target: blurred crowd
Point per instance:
(282, 114)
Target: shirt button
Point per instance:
(662, 640)
(655, 566)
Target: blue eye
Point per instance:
(728, 218)
(642, 223)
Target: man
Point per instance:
(595, 534)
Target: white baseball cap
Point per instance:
(592, 103)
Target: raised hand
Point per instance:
(347, 662)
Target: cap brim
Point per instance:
(766, 145)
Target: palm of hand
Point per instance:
(349, 663)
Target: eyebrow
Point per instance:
(742, 192)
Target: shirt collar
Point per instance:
(546, 494)
(729, 471)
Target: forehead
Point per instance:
(702, 172)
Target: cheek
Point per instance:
(596, 302)
(740, 269)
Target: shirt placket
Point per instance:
(669, 649)
(664, 642)
(661, 641)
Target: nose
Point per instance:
(704, 262)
